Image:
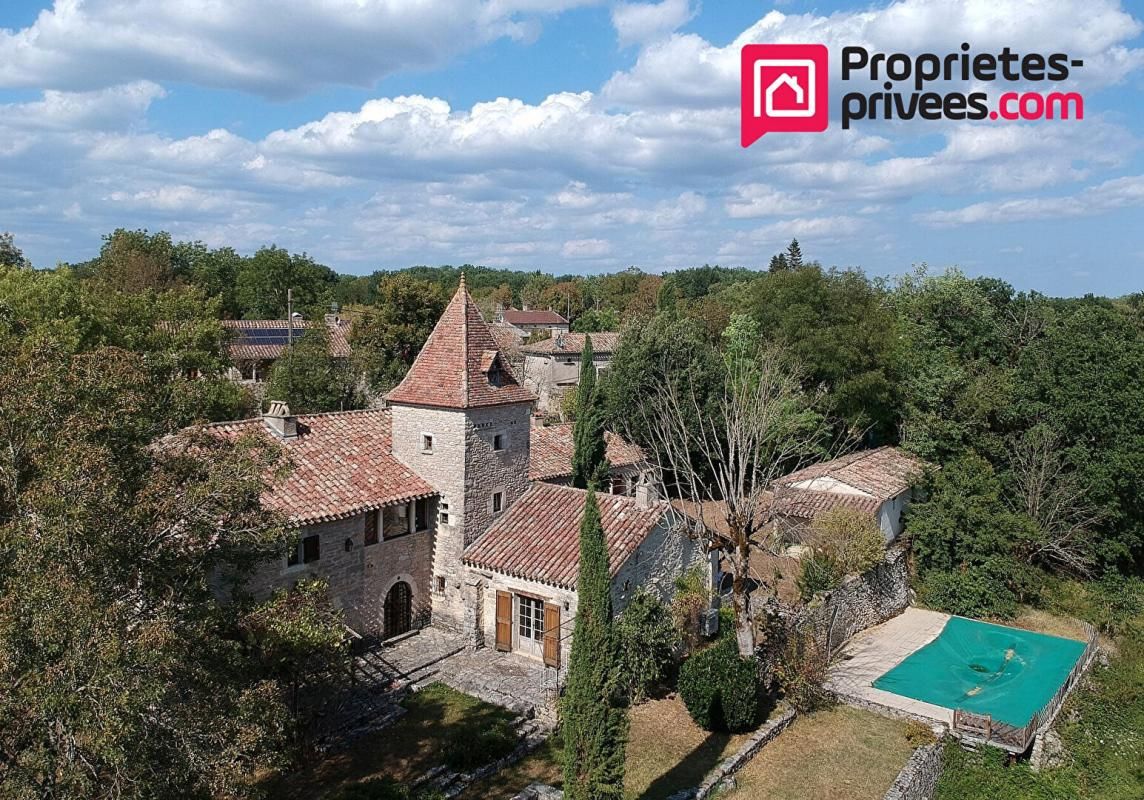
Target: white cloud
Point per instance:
(585, 248)
(1112, 194)
(641, 22)
(270, 47)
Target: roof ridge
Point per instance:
(465, 300)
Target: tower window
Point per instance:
(443, 513)
(499, 441)
(498, 502)
(440, 584)
(426, 443)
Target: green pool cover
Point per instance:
(987, 669)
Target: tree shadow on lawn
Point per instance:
(690, 770)
(440, 724)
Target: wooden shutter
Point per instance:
(504, 622)
(552, 635)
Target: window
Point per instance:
(498, 502)
(619, 484)
(499, 440)
(309, 549)
(421, 514)
(371, 527)
(443, 513)
(530, 618)
(426, 443)
(440, 584)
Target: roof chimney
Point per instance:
(280, 421)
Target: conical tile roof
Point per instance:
(460, 365)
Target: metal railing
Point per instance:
(1018, 739)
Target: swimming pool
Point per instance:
(1005, 672)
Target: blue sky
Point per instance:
(567, 135)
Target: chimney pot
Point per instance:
(280, 421)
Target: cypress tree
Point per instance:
(590, 453)
(595, 724)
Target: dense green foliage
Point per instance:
(720, 689)
(593, 721)
(309, 379)
(647, 641)
(124, 675)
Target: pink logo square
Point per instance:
(784, 89)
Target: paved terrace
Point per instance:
(875, 651)
(521, 684)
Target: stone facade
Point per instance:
(467, 471)
(360, 576)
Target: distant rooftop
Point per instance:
(573, 343)
(550, 455)
(267, 339)
(516, 317)
(881, 473)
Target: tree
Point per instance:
(124, 675)
(10, 254)
(594, 724)
(590, 457)
(722, 451)
(132, 261)
(311, 380)
(779, 263)
(387, 336)
(794, 255)
(263, 280)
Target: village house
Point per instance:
(875, 482)
(552, 366)
(448, 507)
(257, 343)
(528, 321)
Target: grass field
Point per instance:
(839, 753)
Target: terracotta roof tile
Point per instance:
(457, 365)
(538, 538)
(551, 452)
(804, 504)
(883, 473)
(341, 465)
(516, 317)
(573, 343)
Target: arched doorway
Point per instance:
(398, 610)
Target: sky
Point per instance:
(571, 136)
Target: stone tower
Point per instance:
(461, 421)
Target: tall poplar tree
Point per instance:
(594, 721)
(589, 458)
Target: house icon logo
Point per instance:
(784, 89)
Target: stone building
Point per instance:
(446, 507)
(529, 321)
(257, 343)
(551, 366)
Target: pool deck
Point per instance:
(875, 651)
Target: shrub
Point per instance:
(852, 538)
(973, 592)
(720, 689)
(918, 733)
(692, 599)
(801, 673)
(818, 572)
(648, 642)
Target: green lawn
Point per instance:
(436, 717)
(839, 753)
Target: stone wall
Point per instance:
(663, 556)
(862, 601)
(359, 576)
(918, 778)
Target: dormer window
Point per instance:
(496, 377)
(427, 443)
